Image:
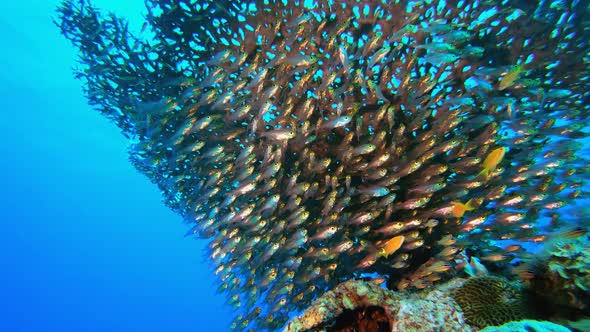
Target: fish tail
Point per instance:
(379, 252)
(458, 209)
(483, 174)
(473, 204)
(469, 206)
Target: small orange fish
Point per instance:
(392, 245)
(492, 160)
(525, 271)
(420, 283)
(378, 281)
(403, 284)
(496, 257)
(433, 278)
(459, 208)
(513, 248)
(447, 252)
(367, 262)
(439, 266)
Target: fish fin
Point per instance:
(382, 253)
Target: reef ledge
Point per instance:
(365, 306)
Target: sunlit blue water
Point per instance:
(85, 242)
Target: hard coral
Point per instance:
(561, 276)
(342, 300)
(489, 300)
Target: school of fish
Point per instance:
(315, 142)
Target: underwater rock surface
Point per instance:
(315, 142)
(428, 311)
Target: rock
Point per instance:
(364, 306)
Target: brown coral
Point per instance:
(490, 300)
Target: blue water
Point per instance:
(85, 242)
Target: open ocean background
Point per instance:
(86, 243)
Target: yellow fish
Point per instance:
(492, 160)
(459, 208)
(510, 77)
(392, 245)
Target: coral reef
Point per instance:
(350, 295)
(489, 300)
(314, 142)
(429, 311)
(559, 277)
(487, 304)
(432, 310)
(527, 326)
